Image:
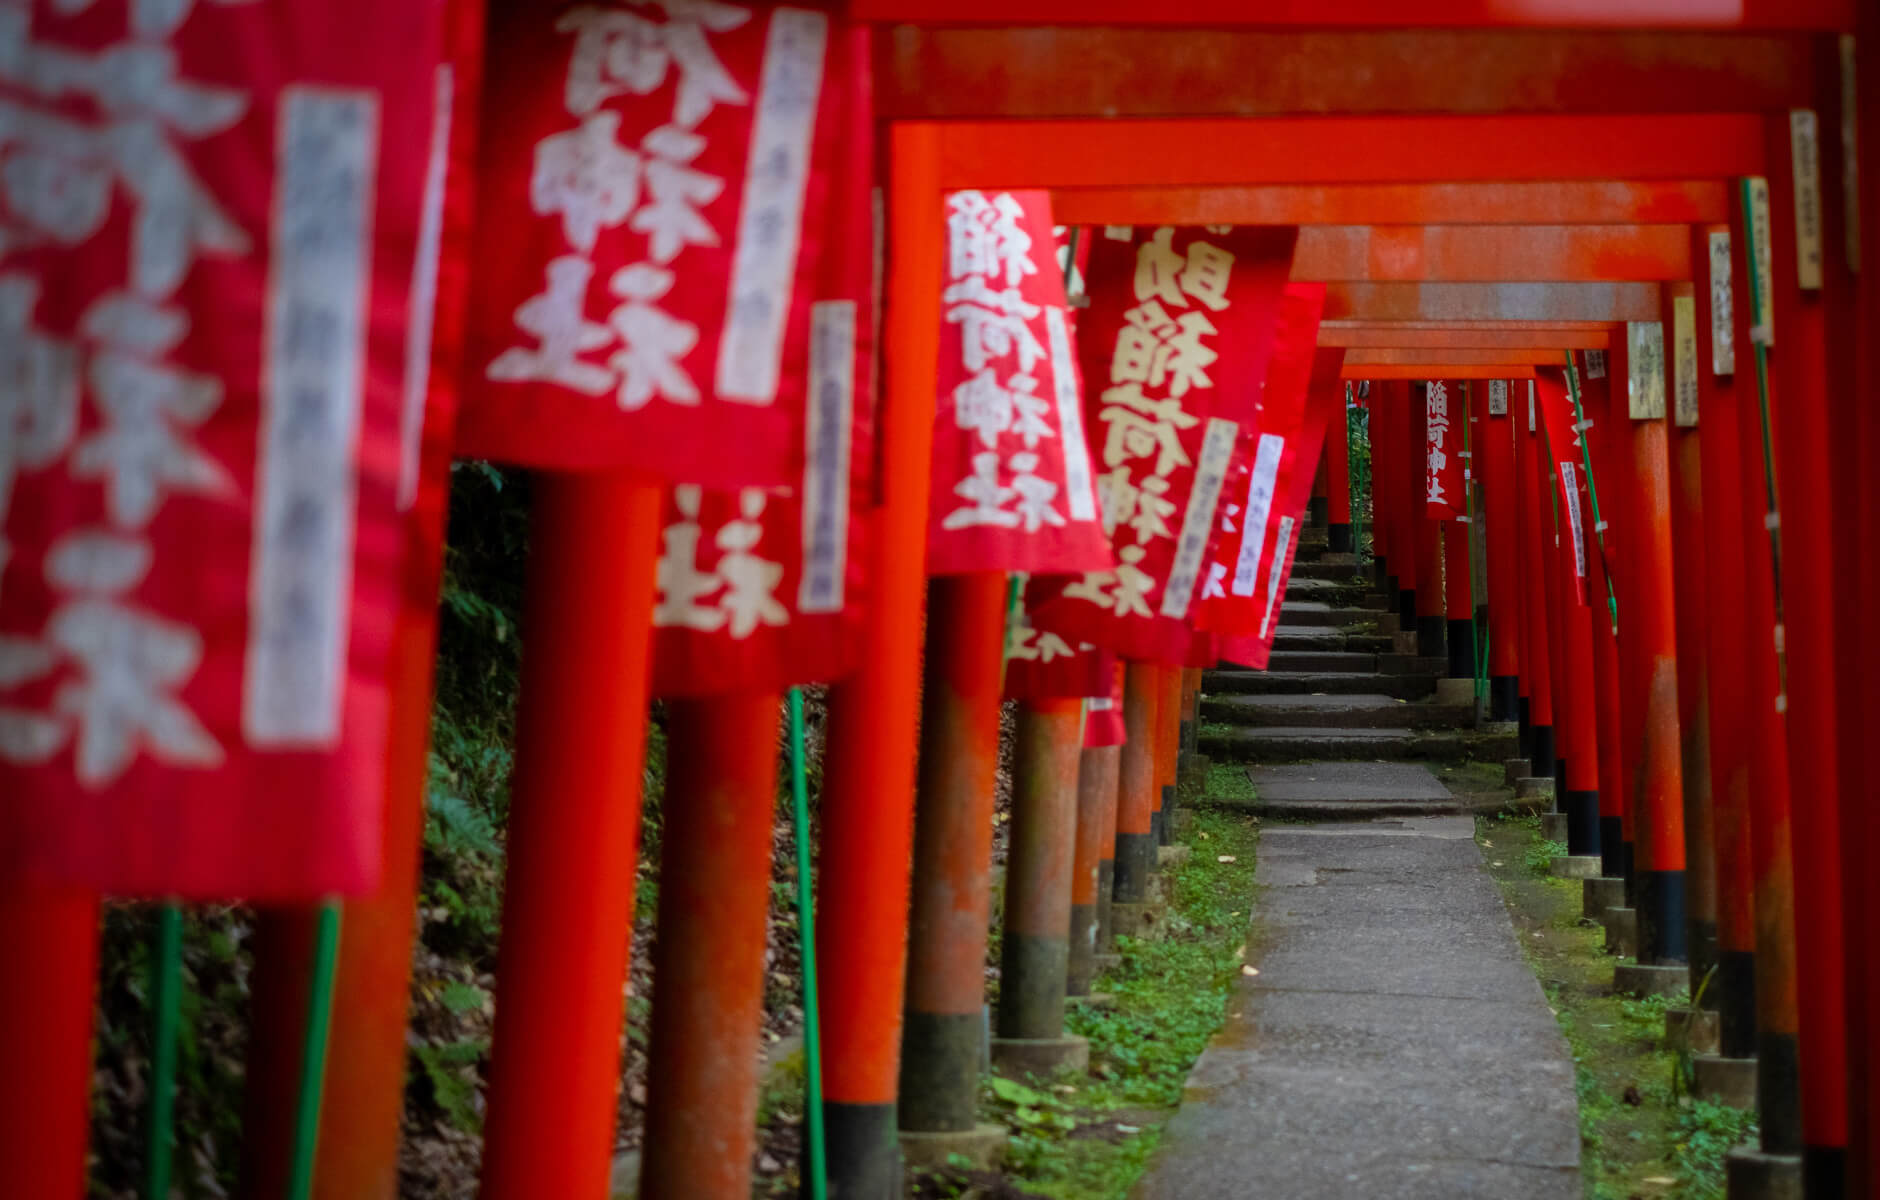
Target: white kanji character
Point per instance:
(1132, 584)
(38, 391)
(557, 318)
(1157, 265)
(1215, 587)
(132, 663)
(619, 52)
(671, 220)
(1051, 647)
(1030, 422)
(1023, 637)
(987, 238)
(1207, 273)
(981, 405)
(1092, 588)
(652, 342)
(1035, 493)
(588, 177)
(986, 495)
(1138, 426)
(1182, 360)
(1144, 328)
(750, 597)
(1153, 508)
(992, 323)
(681, 585)
(138, 452)
(1439, 403)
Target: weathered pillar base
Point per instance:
(1504, 698)
(1535, 788)
(1041, 1058)
(1108, 961)
(1338, 538)
(1723, 1080)
(1600, 896)
(1575, 866)
(1171, 856)
(1180, 820)
(982, 1148)
(863, 1151)
(1101, 1001)
(1554, 826)
(1139, 920)
(1621, 931)
(1693, 1029)
(1402, 642)
(1451, 689)
(1514, 770)
(1753, 1175)
(1649, 979)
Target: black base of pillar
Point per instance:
(1407, 608)
(1524, 727)
(1032, 972)
(1082, 964)
(1158, 835)
(1700, 945)
(863, 1153)
(1662, 917)
(1824, 1172)
(1582, 809)
(1541, 752)
(1338, 539)
(1430, 640)
(1461, 634)
(1628, 866)
(1612, 847)
(1560, 782)
(1165, 834)
(1735, 986)
(1187, 738)
(1135, 860)
(1106, 887)
(940, 1071)
(1380, 572)
(1504, 698)
(1779, 1093)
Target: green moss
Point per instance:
(1229, 781)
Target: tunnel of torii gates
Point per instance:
(1510, 187)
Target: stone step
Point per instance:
(1430, 667)
(1321, 637)
(1327, 660)
(1361, 711)
(1289, 743)
(1332, 571)
(1317, 612)
(1352, 791)
(1300, 683)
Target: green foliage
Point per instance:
(1540, 855)
(452, 1073)
(1707, 1132)
(1230, 781)
(459, 998)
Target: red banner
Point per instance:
(1325, 401)
(655, 201)
(218, 222)
(1179, 329)
(1013, 488)
(1227, 598)
(1040, 665)
(759, 589)
(1103, 715)
(1445, 410)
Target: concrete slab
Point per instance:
(1355, 791)
(1361, 710)
(1321, 660)
(1283, 743)
(1306, 683)
(1394, 1043)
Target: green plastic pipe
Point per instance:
(806, 922)
(313, 1052)
(166, 996)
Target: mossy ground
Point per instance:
(1641, 1134)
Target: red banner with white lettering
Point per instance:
(1325, 400)
(759, 589)
(1445, 410)
(656, 199)
(222, 223)
(1040, 665)
(1175, 344)
(1562, 442)
(1012, 484)
(1103, 715)
(1227, 597)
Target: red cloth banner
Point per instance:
(1013, 488)
(1324, 401)
(1445, 408)
(221, 227)
(1247, 509)
(1040, 665)
(1103, 715)
(759, 589)
(655, 200)
(1573, 504)
(1179, 330)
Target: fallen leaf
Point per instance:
(1494, 864)
(1225, 858)
(1632, 1097)
(1129, 1129)
(1249, 971)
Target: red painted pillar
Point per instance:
(708, 958)
(867, 817)
(1536, 656)
(1576, 713)
(1725, 633)
(1548, 585)
(1034, 952)
(1407, 498)
(49, 941)
(1093, 867)
(1167, 747)
(1338, 469)
(959, 763)
(1495, 455)
(1811, 571)
(573, 838)
(1458, 600)
(1778, 1018)
(1603, 553)
(1648, 648)
(1136, 786)
(1386, 507)
(1691, 583)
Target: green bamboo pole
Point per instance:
(806, 921)
(313, 1052)
(166, 996)
(1592, 488)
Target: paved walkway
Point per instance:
(1394, 1045)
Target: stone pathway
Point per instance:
(1393, 1046)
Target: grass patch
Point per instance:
(1087, 1137)
(1230, 781)
(1641, 1134)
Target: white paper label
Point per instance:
(1595, 364)
(1070, 410)
(1645, 370)
(1266, 458)
(1282, 543)
(1217, 450)
(1761, 316)
(1805, 159)
(1684, 360)
(1569, 482)
(1850, 156)
(1722, 307)
(1498, 397)
(829, 426)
